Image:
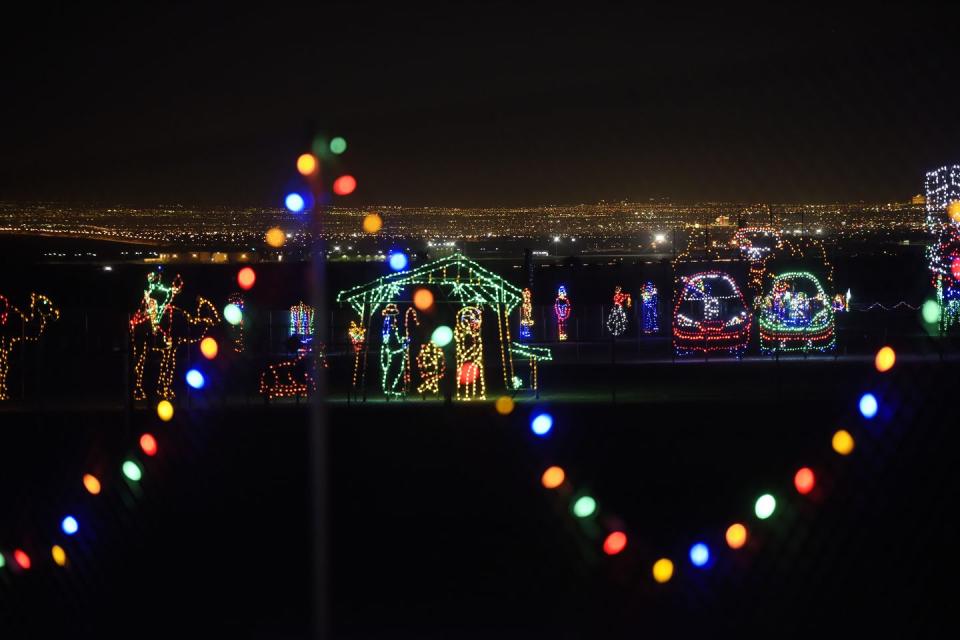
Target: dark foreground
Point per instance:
(441, 529)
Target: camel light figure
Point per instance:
(17, 326)
(163, 331)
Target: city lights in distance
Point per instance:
(398, 261)
(804, 480)
(699, 554)
(91, 484)
(195, 379)
(132, 470)
(615, 543)
(246, 277)
(663, 570)
(338, 145)
(736, 535)
(372, 223)
(584, 507)
(69, 525)
(765, 506)
(842, 442)
(553, 477)
(209, 348)
(868, 405)
(660, 237)
(294, 202)
(886, 357)
(504, 405)
(423, 299)
(148, 444)
(165, 410)
(307, 164)
(541, 424)
(442, 336)
(344, 185)
(233, 314)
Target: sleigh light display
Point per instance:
(710, 315)
(796, 315)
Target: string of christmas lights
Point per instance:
(357, 336)
(942, 189)
(469, 355)
(411, 314)
(238, 340)
(526, 315)
(432, 366)
(393, 353)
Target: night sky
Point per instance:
(478, 106)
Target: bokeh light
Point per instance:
(615, 543)
(195, 379)
(553, 477)
(294, 202)
(736, 535)
(275, 237)
(148, 444)
(233, 314)
(842, 442)
(868, 405)
(955, 268)
(699, 554)
(398, 261)
(442, 336)
(132, 470)
(21, 558)
(307, 164)
(953, 210)
(59, 555)
(930, 311)
(209, 348)
(3, 561)
(344, 185)
(663, 570)
(584, 507)
(423, 299)
(165, 410)
(765, 506)
(91, 483)
(246, 277)
(541, 424)
(372, 223)
(504, 405)
(804, 480)
(338, 145)
(69, 525)
(885, 359)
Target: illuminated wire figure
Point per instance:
(469, 354)
(18, 326)
(393, 352)
(526, 315)
(357, 339)
(411, 314)
(157, 296)
(301, 325)
(236, 330)
(172, 328)
(617, 320)
(432, 366)
(561, 309)
(649, 309)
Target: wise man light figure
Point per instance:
(393, 353)
(561, 309)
